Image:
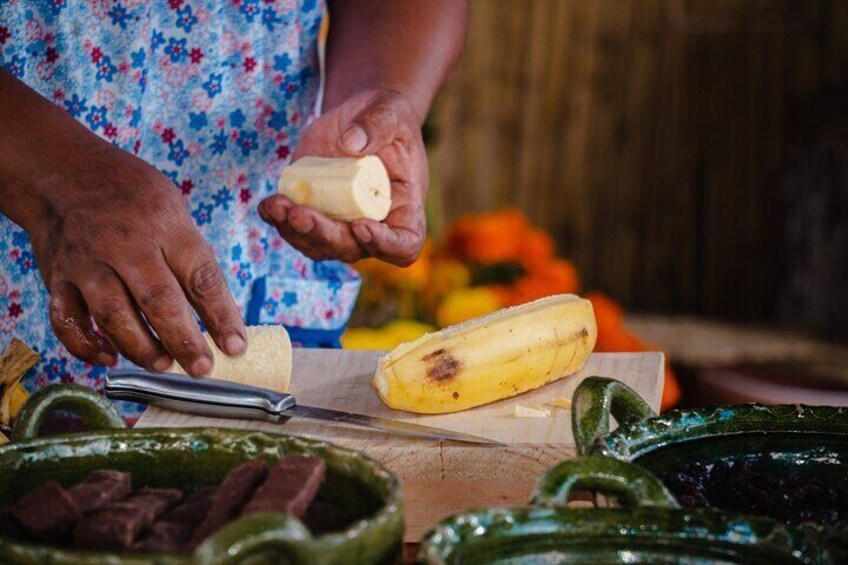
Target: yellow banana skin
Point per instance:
(489, 358)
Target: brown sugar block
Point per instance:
(47, 512)
(99, 489)
(235, 490)
(117, 525)
(290, 487)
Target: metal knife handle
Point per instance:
(206, 397)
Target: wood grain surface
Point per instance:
(440, 477)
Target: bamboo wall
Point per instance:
(648, 135)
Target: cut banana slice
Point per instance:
(561, 402)
(532, 412)
(267, 363)
(345, 189)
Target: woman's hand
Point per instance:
(379, 122)
(115, 242)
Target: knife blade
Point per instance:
(211, 397)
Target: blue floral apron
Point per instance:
(214, 93)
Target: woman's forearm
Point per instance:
(409, 46)
(38, 143)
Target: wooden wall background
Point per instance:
(648, 135)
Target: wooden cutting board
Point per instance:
(440, 477)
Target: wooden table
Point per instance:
(441, 478)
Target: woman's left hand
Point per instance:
(376, 122)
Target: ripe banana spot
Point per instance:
(441, 366)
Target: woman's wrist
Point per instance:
(375, 89)
(405, 47)
(38, 137)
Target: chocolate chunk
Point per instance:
(47, 512)
(117, 525)
(229, 498)
(113, 527)
(153, 502)
(174, 529)
(290, 487)
(165, 537)
(99, 489)
(193, 509)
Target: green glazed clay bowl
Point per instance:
(360, 492)
(650, 528)
(808, 441)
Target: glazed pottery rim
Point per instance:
(441, 543)
(385, 513)
(629, 441)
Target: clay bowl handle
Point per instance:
(97, 412)
(634, 486)
(256, 534)
(594, 400)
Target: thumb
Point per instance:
(370, 130)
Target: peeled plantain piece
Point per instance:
(490, 358)
(344, 188)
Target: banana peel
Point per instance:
(14, 363)
(12, 401)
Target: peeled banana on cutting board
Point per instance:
(489, 358)
(345, 189)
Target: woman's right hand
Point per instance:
(115, 244)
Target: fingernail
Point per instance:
(302, 224)
(201, 367)
(363, 234)
(105, 359)
(279, 208)
(162, 364)
(234, 345)
(355, 139)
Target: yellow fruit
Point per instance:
(446, 276)
(387, 337)
(490, 358)
(464, 304)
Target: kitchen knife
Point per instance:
(211, 397)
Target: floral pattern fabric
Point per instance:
(214, 93)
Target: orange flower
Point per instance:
(415, 275)
(671, 390)
(557, 277)
(607, 313)
(614, 337)
(537, 249)
(494, 237)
